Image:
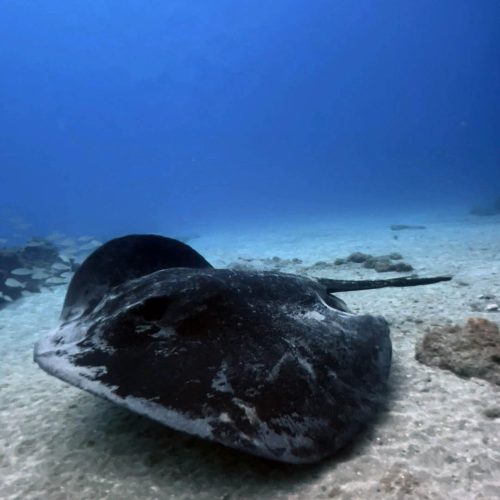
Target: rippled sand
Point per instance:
(434, 440)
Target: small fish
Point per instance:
(13, 283)
(56, 280)
(85, 238)
(65, 258)
(68, 242)
(22, 271)
(60, 267)
(6, 297)
(67, 275)
(40, 275)
(3, 241)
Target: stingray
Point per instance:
(267, 363)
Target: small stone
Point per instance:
(402, 267)
(395, 256)
(358, 257)
(492, 412)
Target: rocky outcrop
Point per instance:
(472, 350)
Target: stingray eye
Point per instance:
(152, 309)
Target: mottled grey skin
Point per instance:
(267, 363)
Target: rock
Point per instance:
(486, 296)
(359, 257)
(492, 412)
(401, 267)
(274, 263)
(383, 264)
(399, 482)
(472, 350)
(321, 264)
(395, 256)
(380, 263)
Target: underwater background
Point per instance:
(319, 140)
(120, 116)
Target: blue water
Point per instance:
(178, 116)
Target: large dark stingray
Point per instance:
(263, 362)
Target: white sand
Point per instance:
(434, 441)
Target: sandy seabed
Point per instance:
(434, 439)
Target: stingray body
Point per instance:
(264, 362)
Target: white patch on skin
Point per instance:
(249, 410)
(142, 328)
(337, 311)
(224, 417)
(314, 315)
(164, 333)
(220, 382)
(307, 366)
(274, 373)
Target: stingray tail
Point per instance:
(333, 286)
